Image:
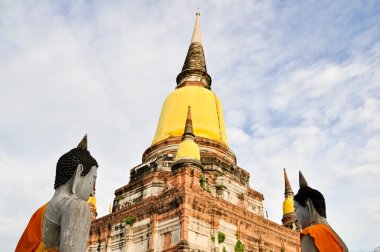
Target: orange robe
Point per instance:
(31, 239)
(324, 238)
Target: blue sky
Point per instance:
(299, 83)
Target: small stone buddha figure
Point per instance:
(310, 209)
(63, 223)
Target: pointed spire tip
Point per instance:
(188, 112)
(194, 68)
(189, 124)
(83, 143)
(197, 38)
(288, 188)
(302, 180)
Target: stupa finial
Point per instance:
(197, 38)
(288, 188)
(188, 149)
(189, 125)
(194, 71)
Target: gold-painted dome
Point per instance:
(207, 114)
(188, 149)
(288, 205)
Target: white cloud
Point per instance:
(237, 136)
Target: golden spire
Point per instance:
(188, 133)
(288, 215)
(188, 148)
(192, 90)
(288, 188)
(194, 71)
(197, 38)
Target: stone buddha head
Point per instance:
(77, 170)
(308, 203)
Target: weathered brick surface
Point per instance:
(182, 196)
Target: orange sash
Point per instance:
(324, 238)
(31, 239)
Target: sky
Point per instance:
(299, 83)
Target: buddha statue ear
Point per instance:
(311, 209)
(76, 177)
(309, 205)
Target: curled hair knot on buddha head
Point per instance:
(305, 192)
(68, 163)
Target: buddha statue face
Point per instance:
(84, 185)
(303, 215)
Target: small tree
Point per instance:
(221, 237)
(202, 181)
(239, 247)
(129, 220)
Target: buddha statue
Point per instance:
(310, 210)
(63, 223)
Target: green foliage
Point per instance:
(224, 249)
(239, 247)
(202, 181)
(221, 237)
(212, 238)
(282, 249)
(129, 220)
(220, 187)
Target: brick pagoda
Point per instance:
(189, 194)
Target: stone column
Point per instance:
(129, 239)
(184, 233)
(153, 224)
